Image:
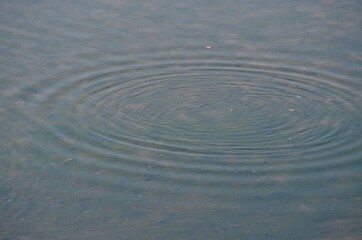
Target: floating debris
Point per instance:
(299, 97)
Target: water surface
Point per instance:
(180, 120)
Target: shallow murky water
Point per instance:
(180, 120)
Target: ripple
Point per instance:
(201, 118)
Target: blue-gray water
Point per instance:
(180, 119)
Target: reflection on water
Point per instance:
(180, 120)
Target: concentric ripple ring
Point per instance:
(202, 116)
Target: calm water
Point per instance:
(181, 119)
